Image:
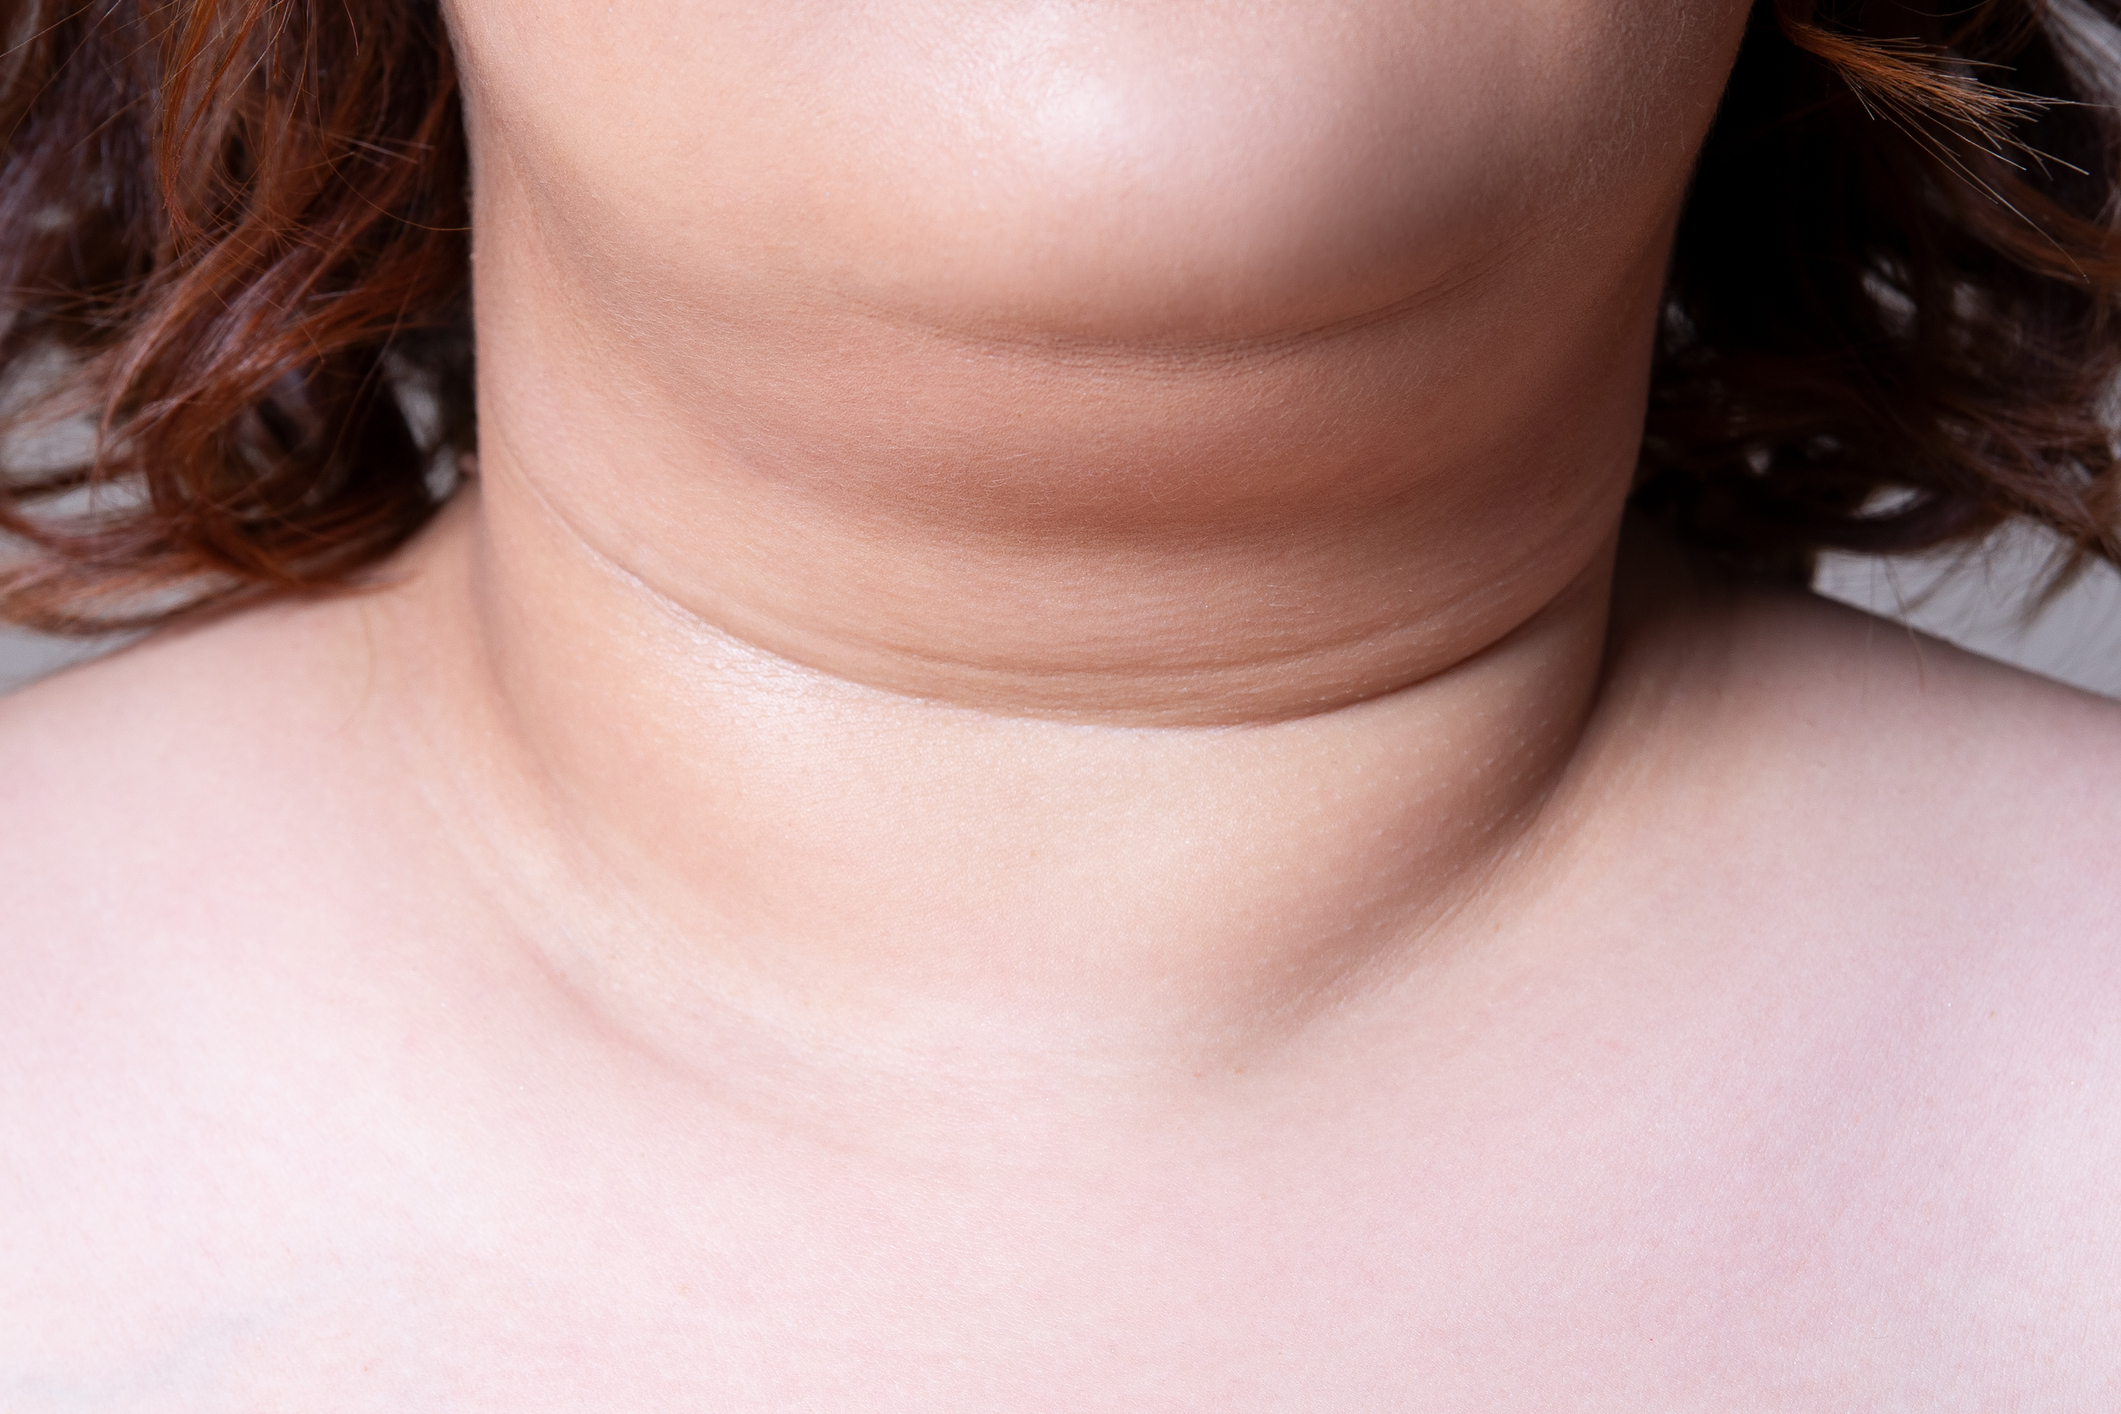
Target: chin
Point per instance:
(1089, 173)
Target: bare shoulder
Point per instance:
(196, 963)
(1890, 797)
(1960, 807)
(171, 814)
(2002, 779)
(177, 809)
(1885, 762)
(121, 777)
(1858, 899)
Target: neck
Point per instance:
(923, 689)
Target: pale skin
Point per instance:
(1038, 775)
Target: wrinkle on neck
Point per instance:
(719, 852)
(905, 625)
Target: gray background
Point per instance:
(1986, 598)
(1978, 598)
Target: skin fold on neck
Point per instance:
(829, 656)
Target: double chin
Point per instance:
(1110, 360)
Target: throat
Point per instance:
(704, 839)
(897, 689)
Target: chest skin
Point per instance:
(1799, 1093)
(1641, 1195)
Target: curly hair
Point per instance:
(235, 237)
(1889, 318)
(234, 244)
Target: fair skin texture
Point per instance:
(1039, 775)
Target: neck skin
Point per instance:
(910, 693)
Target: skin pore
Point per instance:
(1038, 773)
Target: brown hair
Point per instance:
(233, 235)
(1889, 322)
(234, 232)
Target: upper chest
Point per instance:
(1609, 1213)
